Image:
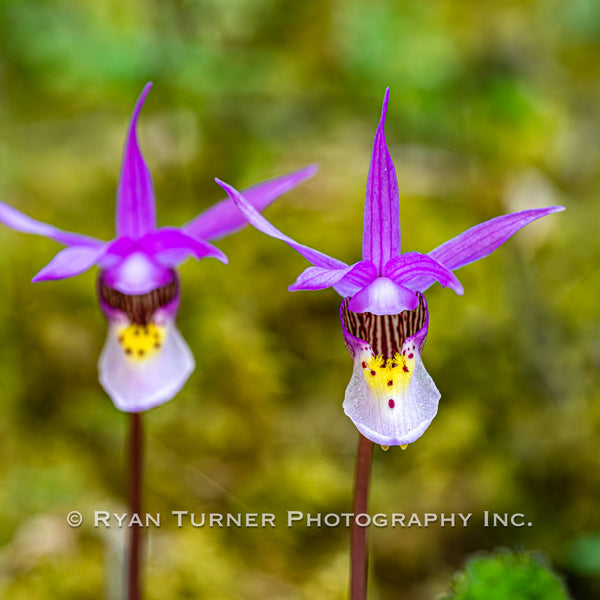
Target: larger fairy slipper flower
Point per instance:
(390, 398)
(145, 360)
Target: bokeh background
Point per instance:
(495, 107)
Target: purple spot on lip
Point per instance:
(391, 403)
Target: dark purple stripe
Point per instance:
(384, 333)
(139, 308)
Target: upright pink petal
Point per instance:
(135, 195)
(381, 229)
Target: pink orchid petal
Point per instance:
(139, 266)
(383, 297)
(135, 194)
(404, 267)
(15, 219)
(479, 241)
(136, 273)
(170, 245)
(381, 229)
(257, 220)
(225, 218)
(70, 261)
(318, 278)
(357, 279)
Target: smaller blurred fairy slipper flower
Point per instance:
(145, 360)
(390, 398)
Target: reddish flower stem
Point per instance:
(358, 544)
(135, 506)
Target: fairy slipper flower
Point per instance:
(145, 360)
(390, 398)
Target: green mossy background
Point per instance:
(494, 107)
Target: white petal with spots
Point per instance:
(135, 385)
(398, 417)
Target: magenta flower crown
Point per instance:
(145, 360)
(390, 398)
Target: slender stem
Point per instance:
(358, 544)
(135, 505)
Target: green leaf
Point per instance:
(519, 576)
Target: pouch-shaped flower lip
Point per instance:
(145, 360)
(390, 398)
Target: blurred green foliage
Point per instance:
(494, 107)
(507, 575)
